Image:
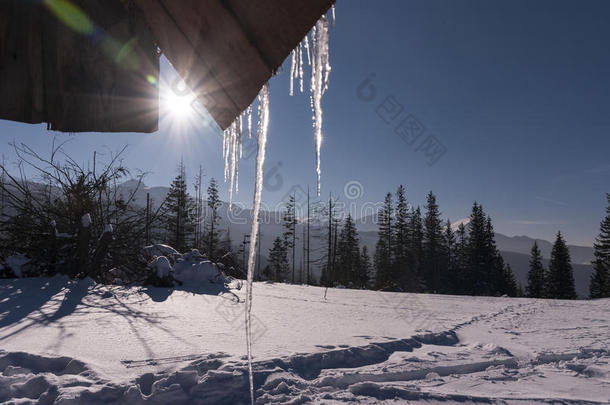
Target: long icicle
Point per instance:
(249, 114)
(306, 41)
(293, 65)
(232, 150)
(320, 70)
(263, 126)
(300, 48)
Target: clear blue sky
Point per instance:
(518, 92)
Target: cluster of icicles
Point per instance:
(317, 53)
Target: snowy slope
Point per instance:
(77, 342)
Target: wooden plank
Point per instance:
(277, 26)
(20, 62)
(84, 81)
(226, 50)
(78, 81)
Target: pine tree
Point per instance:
(535, 276)
(212, 237)
(198, 208)
(178, 204)
(461, 258)
(560, 280)
(496, 275)
(416, 248)
(383, 249)
(599, 286)
(348, 253)
(365, 268)
(449, 279)
(290, 229)
(403, 269)
(328, 276)
(278, 261)
(476, 277)
(510, 286)
(433, 245)
(227, 244)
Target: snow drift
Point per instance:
(77, 342)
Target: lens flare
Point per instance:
(71, 15)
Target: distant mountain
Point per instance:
(523, 244)
(517, 244)
(520, 265)
(514, 249)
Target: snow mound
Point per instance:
(161, 266)
(194, 268)
(159, 250)
(27, 376)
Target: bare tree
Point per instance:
(71, 219)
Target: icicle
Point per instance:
(318, 59)
(232, 146)
(293, 66)
(306, 41)
(233, 162)
(249, 114)
(300, 67)
(241, 125)
(320, 71)
(225, 150)
(263, 126)
(240, 138)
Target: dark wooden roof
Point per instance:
(93, 65)
(80, 69)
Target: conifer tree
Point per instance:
(496, 274)
(278, 261)
(328, 276)
(403, 264)
(599, 286)
(348, 253)
(461, 257)
(476, 277)
(560, 280)
(535, 276)
(432, 244)
(212, 237)
(510, 286)
(365, 268)
(290, 230)
(178, 204)
(228, 243)
(520, 290)
(416, 248)
(449, 278)
(383, 249)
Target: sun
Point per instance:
(180, 110)
(178, 106)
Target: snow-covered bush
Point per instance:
(161, 272)
(61, 217)
(149, 252)
(193, 268)
(229, 264)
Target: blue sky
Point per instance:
(516, 92)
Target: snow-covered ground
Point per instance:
(71, 342)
